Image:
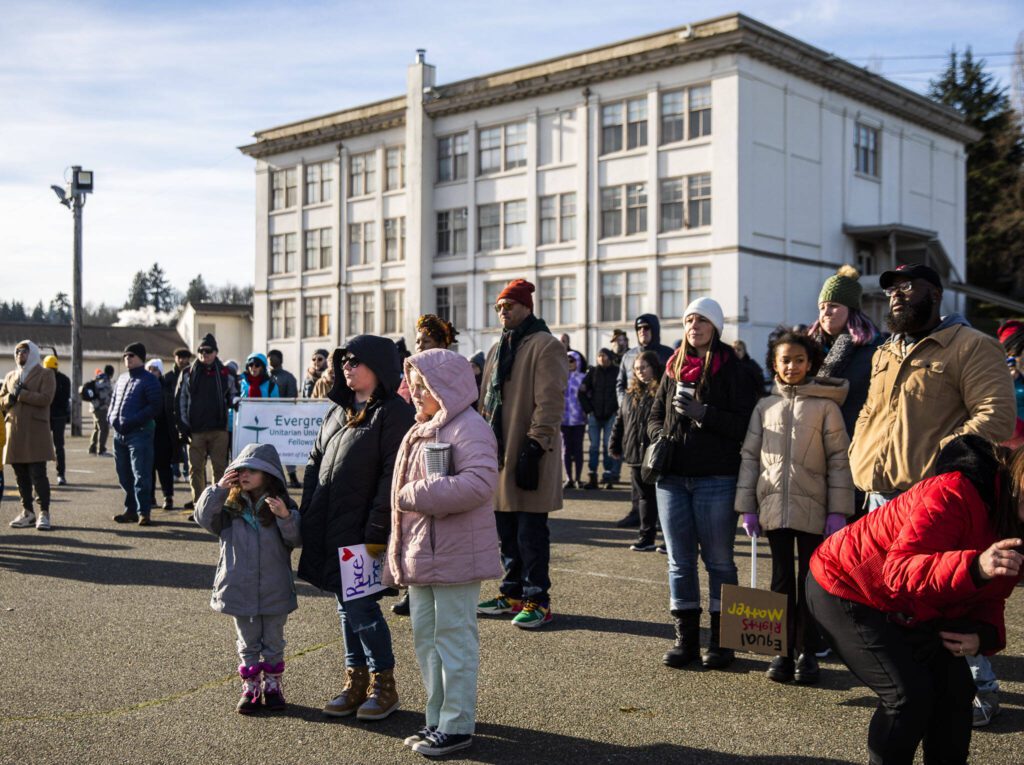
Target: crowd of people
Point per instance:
(880, 467)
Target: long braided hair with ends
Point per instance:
(234, 504)
(353, 417)
(443, 332)
(705, 373)
(637, 390)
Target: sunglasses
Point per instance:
(129, 355)
(500, 307)
(254, 364)
(351, 362)
(205, 351)
(319, 359)
(905, 288)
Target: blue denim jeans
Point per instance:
(525, 544)
(133, 459)
(367, 636)
(981, 671)
(600, 433)
(697, 516)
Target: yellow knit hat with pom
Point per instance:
(843, 288)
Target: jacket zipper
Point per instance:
(432, 535)
(787, 457)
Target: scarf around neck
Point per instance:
(254, 385)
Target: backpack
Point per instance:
(88, 391)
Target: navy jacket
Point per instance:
(136, 403)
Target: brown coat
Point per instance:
(953, 381)
(28, 421)
(533, 400)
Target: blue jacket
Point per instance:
(136, 402)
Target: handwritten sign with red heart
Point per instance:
(346, 554)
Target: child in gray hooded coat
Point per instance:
(258, 525)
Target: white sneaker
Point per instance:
(24, 521)
(61, 481)
(43, 523)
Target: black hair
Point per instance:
(784, 336)
(275, 353)
(997, 472)
(108, 370)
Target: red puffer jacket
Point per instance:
(914, 555)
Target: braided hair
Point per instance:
(443, 332)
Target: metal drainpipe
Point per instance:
(586, 224)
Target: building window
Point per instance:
(285, 189)
(515, 224)
(318, 249)
(491, 292)
(451, 304)
(283, 251)
(558, 218)
(316, 317)
(698, 200)
(360, 314)
(501, 226)
(502, 148)
(865, 150)
(362, 243)
(362, 174)
(612, 210)
(680, 286)
(394, 168)
(282, 319)
(558, 300)
(318, 182)
(394, 239)
(673, 113)
(622, 295)
(624, 125)
(394, 311)
(488, 228)
(452, 157)
(451, 232)
(700, 111)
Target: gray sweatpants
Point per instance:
(260, 635)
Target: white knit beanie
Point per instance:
(709, 309)
(155, 363)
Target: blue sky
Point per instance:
(155, 97)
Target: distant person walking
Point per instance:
(101, 388)
(60, 414)
(25, 399)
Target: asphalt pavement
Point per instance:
(110, 653)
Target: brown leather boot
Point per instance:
(357, 680)
(381, 699)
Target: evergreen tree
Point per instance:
(197, 291)
(60, 309)
(39, 313)
(17, 311)
(995, 174)
(138, 293)
(160, 291)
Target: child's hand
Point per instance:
(229, 479)
(277, 507)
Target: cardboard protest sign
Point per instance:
(361, 574)
(754, 620)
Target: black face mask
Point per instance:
(914, 319)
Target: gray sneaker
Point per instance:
(986, 706)
(26, 520)
(43, 523)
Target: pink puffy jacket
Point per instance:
(442, 527)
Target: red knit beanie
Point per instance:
(519, 290)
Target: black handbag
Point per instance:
(657, 458)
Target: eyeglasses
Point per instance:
(504, 306)
(205, 351)
(904, 287)
(129, 355)
(319, 359)
(21, 350)
(351, 362)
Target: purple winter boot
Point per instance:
(273, 689)
(249, 702)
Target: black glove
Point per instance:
(528, 466)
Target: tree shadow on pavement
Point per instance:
(104, 569)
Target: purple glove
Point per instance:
(834, 522)
(751, 525)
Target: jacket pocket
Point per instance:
(926, 379)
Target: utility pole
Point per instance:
(74, 199)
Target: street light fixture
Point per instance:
(73, 197)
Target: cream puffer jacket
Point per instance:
(795, 468)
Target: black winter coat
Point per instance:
(597, 393)
(346, 493)
(629, 433)
(60, 407)
(713, 447)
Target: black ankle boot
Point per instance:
(687, 646)
(807, 671)
(716, 657)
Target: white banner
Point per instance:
(361, 574)
(291, 425)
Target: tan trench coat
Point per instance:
(28, 421)
(533, 401)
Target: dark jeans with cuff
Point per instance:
(526, 555)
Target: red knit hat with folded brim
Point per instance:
(519, 290)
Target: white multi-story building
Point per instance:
(720, 158)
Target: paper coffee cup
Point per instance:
(685, 389)
(437, 457)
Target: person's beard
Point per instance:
(913, 317)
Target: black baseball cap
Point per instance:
(907, 272)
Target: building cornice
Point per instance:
(732, 34)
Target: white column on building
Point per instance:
(419, 199)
